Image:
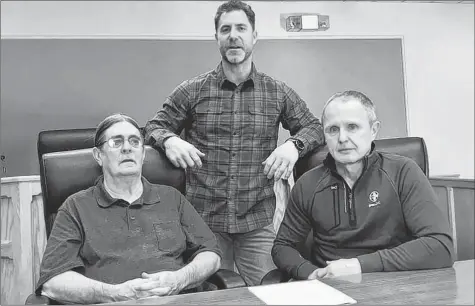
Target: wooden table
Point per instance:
(440, 286)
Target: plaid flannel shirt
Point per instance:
(237, 128)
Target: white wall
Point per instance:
(438, 45)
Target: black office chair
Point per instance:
(57, 141)
(69, 171)
(412, 147)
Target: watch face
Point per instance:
(298, 144)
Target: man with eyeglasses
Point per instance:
(125, 238)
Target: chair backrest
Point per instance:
(67, 166)
(57, 141)
(63, 140)
(412, 147)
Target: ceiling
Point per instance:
(423, 1)
(407, 1)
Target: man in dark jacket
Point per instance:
(369, 211)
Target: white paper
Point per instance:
(311, 292)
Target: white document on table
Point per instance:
(308, 292)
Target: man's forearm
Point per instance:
(429, 252)
(288, 259)
(73, 288)
(199, 269)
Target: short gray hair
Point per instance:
(348, 95)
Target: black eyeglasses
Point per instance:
(118, 142)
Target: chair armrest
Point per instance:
(34, 299)
(274, 277)
(226, 279)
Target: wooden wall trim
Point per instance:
(452, 182)
(23, 237)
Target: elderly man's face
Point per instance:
(348, 132)
(235, 37)
(125, 159)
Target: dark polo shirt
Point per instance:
(108, 240)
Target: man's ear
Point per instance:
(96, 153)
(375, 129)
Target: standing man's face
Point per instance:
(235, 37)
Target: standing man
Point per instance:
(231, 119)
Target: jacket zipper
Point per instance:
(349, 203)
(352, 210)
(349, 209)
(346, 201)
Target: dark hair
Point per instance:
(235, 5)
(110, 121)
(345, 96)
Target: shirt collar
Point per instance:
(149, 195)
(222, 80)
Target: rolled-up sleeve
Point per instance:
(300, 122)
(170, 120)
(62, 251)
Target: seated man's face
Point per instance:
(123, 152)
(348, 131)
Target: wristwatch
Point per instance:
(298, 144)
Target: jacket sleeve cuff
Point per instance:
(371, 263)
(304, 270)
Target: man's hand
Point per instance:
(281, 161)
(167, 282)
(182, 153)
(132, 290)
(340, 267)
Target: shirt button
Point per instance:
(233, 177)
(235, 133)
(132, 218)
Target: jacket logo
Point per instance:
(374, 199)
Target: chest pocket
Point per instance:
(207, 119)
(327, 209)
(170, 236)
(263, 120)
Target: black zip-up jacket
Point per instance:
(389, 220)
